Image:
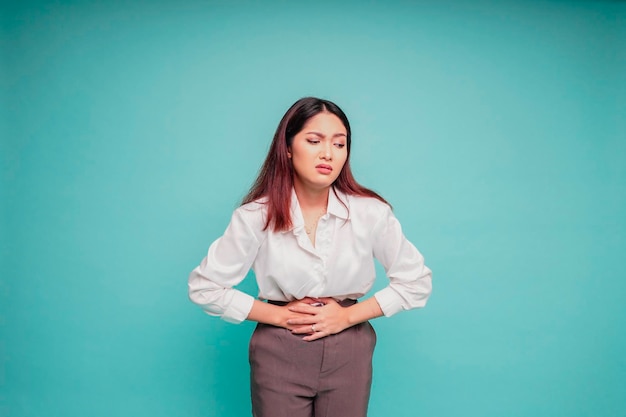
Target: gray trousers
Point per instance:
(329, 377)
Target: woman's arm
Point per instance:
(410, 281)
(211, 284)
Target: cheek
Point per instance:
(300, 152)
(340, 165)
(342, 160)
(299, 162)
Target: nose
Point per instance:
(327, 152)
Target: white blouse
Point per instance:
(287, 265)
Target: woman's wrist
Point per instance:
(363, 311)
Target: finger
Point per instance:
(301, 321)
(302, 330)
(304, 308)
(314, 336)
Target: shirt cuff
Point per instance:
(239, 308)
(389, 301)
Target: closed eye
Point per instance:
(313, 141)
(340, 145)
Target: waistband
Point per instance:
(344, 303)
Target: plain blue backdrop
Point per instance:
(130, 131)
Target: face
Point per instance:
(319, 152)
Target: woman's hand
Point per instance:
(290, 312)
(318, 322)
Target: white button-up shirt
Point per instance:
(353, 232)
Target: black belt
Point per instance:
(344, 303)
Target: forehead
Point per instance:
(325, 122)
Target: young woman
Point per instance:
(310, 232)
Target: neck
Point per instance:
(311, 199)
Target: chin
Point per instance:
(321, 185)
(318, 183)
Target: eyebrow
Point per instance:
(336, 135)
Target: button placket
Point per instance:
(324, 244)
(323, 237)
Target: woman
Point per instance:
(310, 233)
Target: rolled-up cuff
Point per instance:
(239, 308)
(389, 301)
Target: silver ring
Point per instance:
(313, 328)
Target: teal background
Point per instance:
(130, 131)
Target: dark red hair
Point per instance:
(275, 179)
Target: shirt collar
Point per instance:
(338, 206)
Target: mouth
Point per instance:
(324, 169)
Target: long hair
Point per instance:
(275, 179)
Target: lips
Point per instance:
(324, 169)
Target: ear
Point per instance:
(289, 152)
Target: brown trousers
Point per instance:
(329, 377)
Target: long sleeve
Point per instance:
(410, 281)
(227, 263)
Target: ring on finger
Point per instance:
(313, 328)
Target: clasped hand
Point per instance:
(317, 322)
